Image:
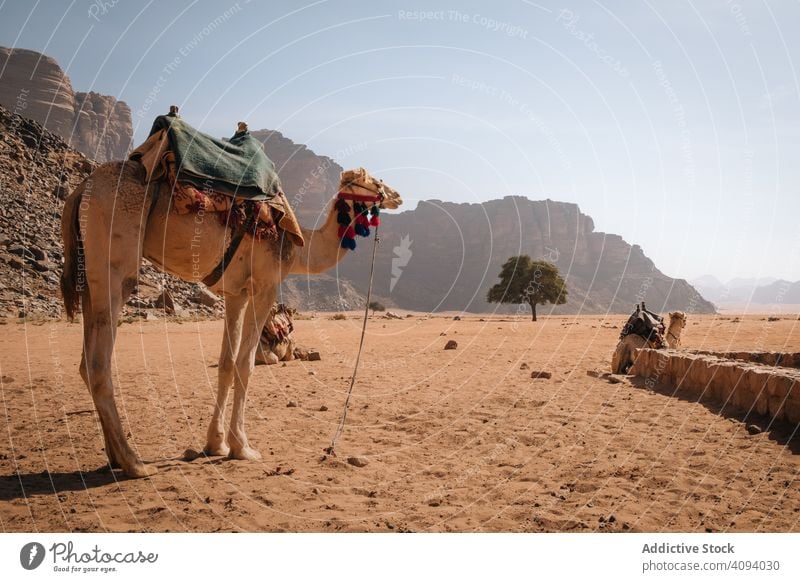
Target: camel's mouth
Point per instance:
(360, 181)
(392, 199)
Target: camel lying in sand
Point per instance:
(276, 344)
(623, 357)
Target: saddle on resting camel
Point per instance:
(233, 177)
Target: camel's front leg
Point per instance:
(234, 319)
(255, 318)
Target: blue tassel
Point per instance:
(361, 230)
(349, 243)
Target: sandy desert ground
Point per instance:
(460, 440)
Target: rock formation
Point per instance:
(309, 180)
(446, 256)
(34, 86)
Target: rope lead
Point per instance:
(331, 450)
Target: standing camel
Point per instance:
(624, 354)
(114, 219)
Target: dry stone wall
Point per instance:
(767, 390)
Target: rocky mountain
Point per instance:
(778, 293)
(761, 290)
(445, 256)
(34, 86)
(309, 180)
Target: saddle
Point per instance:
(645, 324)
(233, 178)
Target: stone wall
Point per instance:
(784, 359)
(749, 387)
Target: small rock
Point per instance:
(21, 251)
(457, 318)
(190, 455)
(41, 266)
(61, 191)
(312, 373)
(313, 356)
(451, 345)
(523, 366)
(203, 296)
(323, 408)
(15, 263)
(753, 429)
(150, 317)
(594, 373)
(164, 301)
(391, 315)
(291, 404)
(541, 375)
(358, 461)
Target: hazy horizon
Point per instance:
(670, 125)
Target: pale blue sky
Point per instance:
(673, 124)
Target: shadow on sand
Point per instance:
(21, 486)
(781, 432)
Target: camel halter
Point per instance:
(363, 218)
(376, 199)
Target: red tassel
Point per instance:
(350, 232)
(375, 220)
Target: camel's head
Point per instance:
(677, 318)
(359, 181)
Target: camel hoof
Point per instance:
(245, 454)
(221, 450)
(140, 471)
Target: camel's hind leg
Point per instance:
(112, 242)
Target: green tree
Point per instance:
(376, 306)
(523, 280)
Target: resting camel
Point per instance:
(623, 357)
(276, 343)
(113, 219)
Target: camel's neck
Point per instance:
(674, 332)
(322, 249)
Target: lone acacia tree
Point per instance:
(523, 280)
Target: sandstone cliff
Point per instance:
(309, 180)
(34, 86)
(445, 255)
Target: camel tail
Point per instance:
(73, 277)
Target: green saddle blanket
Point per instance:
(238, 166)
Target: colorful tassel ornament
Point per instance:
(363, 217)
